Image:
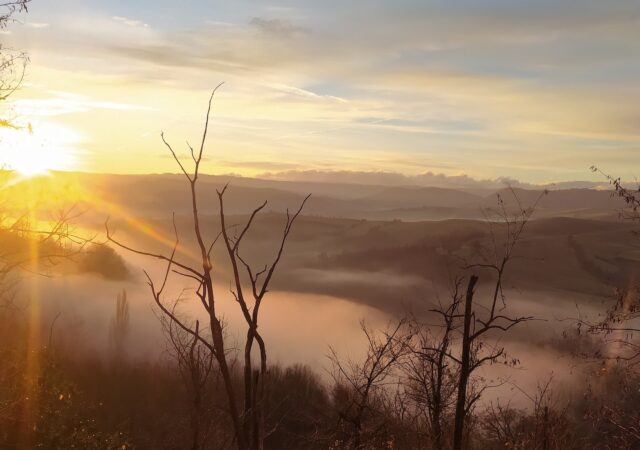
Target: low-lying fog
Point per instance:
(299, 327)
(339, 268)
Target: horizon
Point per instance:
(346, 177)
(300, 225)
(531, 104)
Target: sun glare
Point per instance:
(38, 149)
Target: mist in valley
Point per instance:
(339, 274)
(319, 226)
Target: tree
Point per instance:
(23, 243)
(195, 363)
(12, 63)
(545, 426)
(361, 387)
(470, 325)
(475, 352)
(429, 375)
(119, 326)
(619, 328)
(248, 424)
(9, 7)
(611, 398)
(255, 382)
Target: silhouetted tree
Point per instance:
(119, 327)
(619, 328)
(476, 351)
(196, 364)
(545, 426)
(430, 376)
(12, 62)
(361, 388)
(248, 424)
(616, 348)
(9, 7)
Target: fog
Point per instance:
(299, 327)
(338, 270)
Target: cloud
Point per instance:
(298, 93)
(38, 25)
(60, 103)
(278, 27)
(130, 22)
(391, 58)
(259, 165)
(430, 179)
(535, 89)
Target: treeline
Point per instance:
(62, 395)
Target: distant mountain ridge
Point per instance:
(160, 194)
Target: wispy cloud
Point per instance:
(60, 103)
(259, 165)
(130, 22)
(539, 89)
(38, 25)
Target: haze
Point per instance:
(319, 225)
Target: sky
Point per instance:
(537, 91)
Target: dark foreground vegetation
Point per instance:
(84, 400)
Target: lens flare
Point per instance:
(38, 149)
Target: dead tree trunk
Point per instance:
(465, 366)
(475, 327)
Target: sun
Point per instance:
(37, 149)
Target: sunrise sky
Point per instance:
(533, 90)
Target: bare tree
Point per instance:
(119, 326)
(429, 375)
(254, 380)
(619, 329)
(475, 352)
(611, 398)
(616, 333)
(480, 320)
(9, 7)
(631, 197)
(544, 426)
(196, 364)
(248, 424)
(26, 247)
(610, 407)
(12, 62)
(361, 388)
